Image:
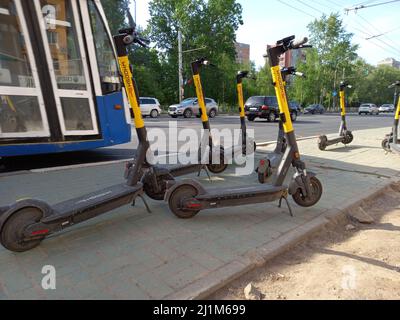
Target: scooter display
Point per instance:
(187, 198)
(268, 166)
(345, 136)
(26, 223)
(391, 141)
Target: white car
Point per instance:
(190, 107)
(386, 108)
(368, 108)
(150, 107)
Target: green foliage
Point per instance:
(209, 26)
(116, 13)
(333, 55)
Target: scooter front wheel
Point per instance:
(177, 198)
(312, 199)
(218, 168)
(322, 143)
(150, 190)
(12, 233)
(264, 176)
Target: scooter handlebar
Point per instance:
(142, 42)
(396, 84)
(298, 44)
(300, 74)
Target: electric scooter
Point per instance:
(187, 198)
(247, 145)
(26, 223)
(247, 142)
(391, 141)
(345, 136)
(268, 166)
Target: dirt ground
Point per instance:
(337, 263)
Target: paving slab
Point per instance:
(130, 254)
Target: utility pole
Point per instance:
(180, 65)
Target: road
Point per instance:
(306, 126)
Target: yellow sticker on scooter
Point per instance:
(342, 102)
(130, 90)
(200, 97)
(241, 99)
(282, 99)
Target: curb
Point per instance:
(203, 288)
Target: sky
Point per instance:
(266, 21)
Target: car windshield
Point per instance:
(255, 100)
(187, 101)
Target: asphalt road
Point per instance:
(306, 126)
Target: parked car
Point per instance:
(315, 109)
(190, 107)
(266, 107)
(368, 108)
(149, 107)
(386, 108)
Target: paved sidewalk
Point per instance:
(130, 254)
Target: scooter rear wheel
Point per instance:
(179, 195)
(386, 144)
(316, 194)
(12, 234)
(322, 143)
(348, 138)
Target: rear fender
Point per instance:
(172, 186)
(28, 203)
(297, 183)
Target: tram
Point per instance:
(60, 87)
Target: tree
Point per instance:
(206, 25)
(116, 11)
(332, 57)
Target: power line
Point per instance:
(311, 7)
(369, 6)
(382, 34)
(380, 40)
(386, 49)
(308, 14)
(324, 5)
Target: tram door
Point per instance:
(56, 57)
(22, 109)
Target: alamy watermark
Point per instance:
(49, 281)
(190, 146)
(349, 277)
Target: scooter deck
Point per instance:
(182, 170)
(94, 203)
(264, 192)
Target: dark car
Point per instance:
(315, 109)
(266, 107)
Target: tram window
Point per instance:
(15, 69)
(107, 64)
(77, 114)
(19, 114)
(64, 45)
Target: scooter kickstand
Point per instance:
(145, 204)
(288, 205)
(206, 170)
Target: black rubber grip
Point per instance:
(298, 44)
